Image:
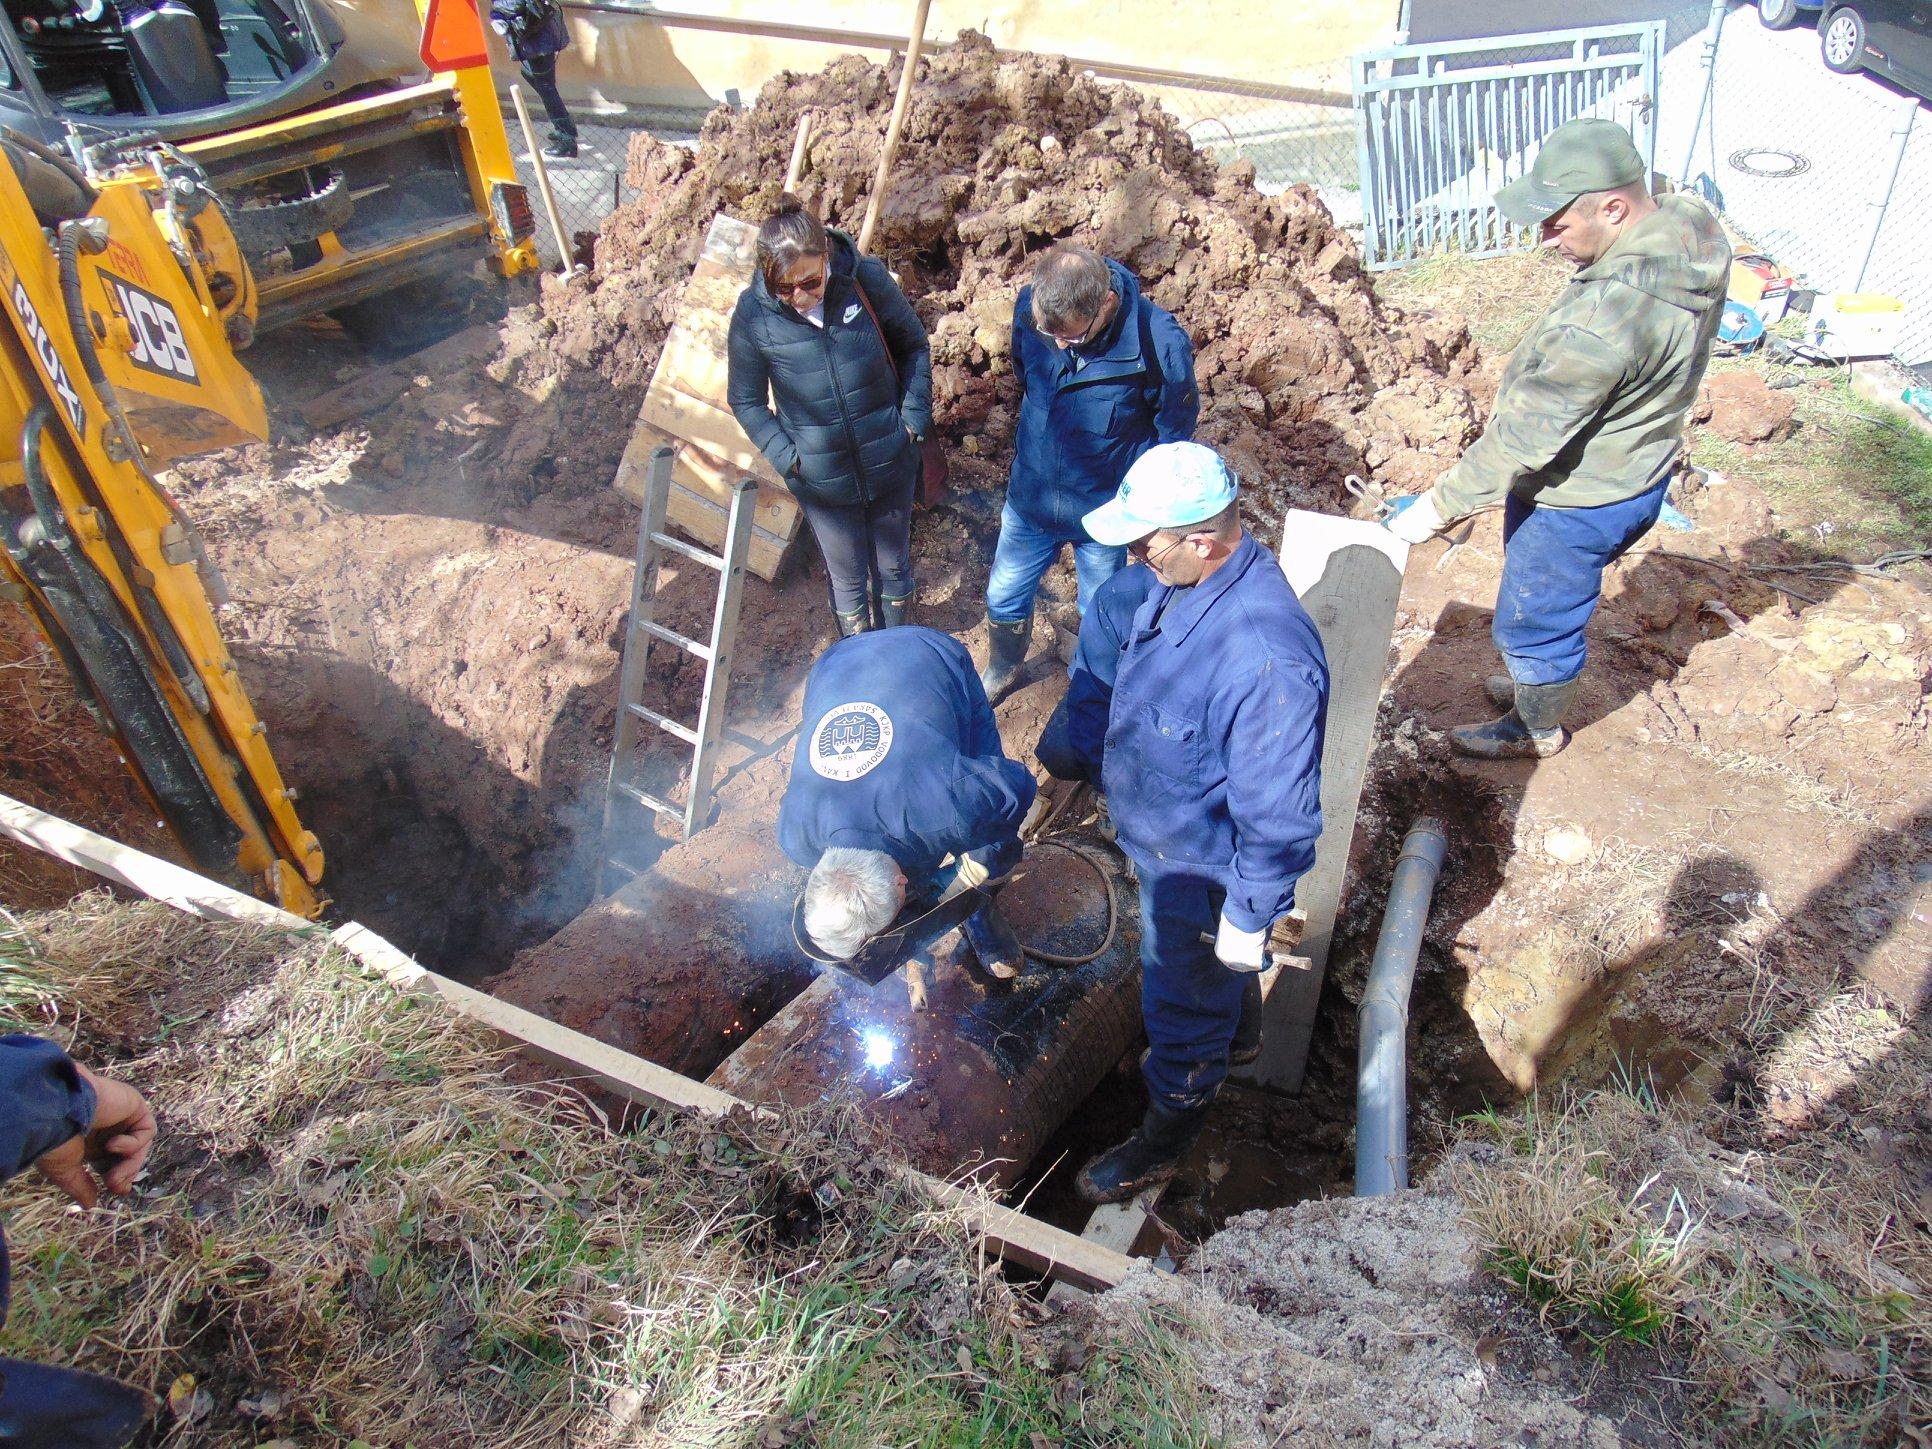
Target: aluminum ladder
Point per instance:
(632, 712)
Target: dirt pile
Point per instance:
(1304, 375)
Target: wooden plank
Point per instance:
(711, 428)
(695, 365)
(776, 511)
(1009, 1233)
(1348, 575)
(698, 482)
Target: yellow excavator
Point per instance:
(127, 294)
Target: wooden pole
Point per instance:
(796, 171)
(914, 42)
(543, 179)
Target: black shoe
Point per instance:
(561, 148)
(895, 611)
(1533, 730)
(1005, 653)
(859, 621)
(1150, 1156)
(1246, 1045)
(994, 943)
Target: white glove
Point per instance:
(1240, 950)
(966, 874)
(1415, 522)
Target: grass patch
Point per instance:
(353, 1216)
(1785, 1281)
(1499, 297)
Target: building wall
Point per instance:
(627, 61)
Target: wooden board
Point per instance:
(686, 405)
(1011, 1234)
(1348, 575)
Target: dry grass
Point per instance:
(1804, 1323)
(1498, 296)
(354, 1218)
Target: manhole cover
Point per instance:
(1769, 162)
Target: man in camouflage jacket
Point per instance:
(1590, 416)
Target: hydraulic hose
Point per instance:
(1382, 1076)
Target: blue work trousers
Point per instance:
(1026, 551)
(1190, 1003)
(1553, 563)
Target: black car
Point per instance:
(1892, 38)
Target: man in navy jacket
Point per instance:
(1104, 375)
(1210, 756)
(899, 789)
(58, 1116)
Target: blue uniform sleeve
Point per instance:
(991, 796)
(1180, 399)
(44, 1101)
(748, 390)
(1272, 720)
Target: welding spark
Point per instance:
(879, 1048)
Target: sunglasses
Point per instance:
(789, 289)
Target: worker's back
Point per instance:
(898, 751)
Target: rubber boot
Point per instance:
(1533, 730)
(1150, 1156)
(895, 611)
(994, 943)
(859, 621)
(1005, 653)
(1500, 690)
(1246, 1045)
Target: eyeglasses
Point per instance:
(1138, 549)
(1085, 336)
(811, 284)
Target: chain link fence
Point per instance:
(1828, 175)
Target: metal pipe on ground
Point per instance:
(1382, 1076)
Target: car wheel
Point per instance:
(1777, 14)
(1842, 41)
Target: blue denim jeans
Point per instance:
(1189, 1002)
(1553, 563)
(1022, 557)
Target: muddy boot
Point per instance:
(1246, 1045)
(1005, 653)
(1500, 690)
(1148, 1157)
(859, 621)
(895, 611)
(1533, 730)
(994, 943)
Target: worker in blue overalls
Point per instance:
(900, 791)
(1210, 756)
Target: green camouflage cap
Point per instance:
(1577, 157)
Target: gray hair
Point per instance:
(1070, 285)
(851, 896)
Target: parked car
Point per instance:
(1892, 38)
(1783, 14)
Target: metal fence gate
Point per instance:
(1440, 127)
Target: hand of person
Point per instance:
(966, 873)
(1414, 519)
(1240, 950)
(117, 1144)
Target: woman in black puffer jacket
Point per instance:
(851, 377)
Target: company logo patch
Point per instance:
(852, 312)
(160, 345)
(43, 346)
(851, 740)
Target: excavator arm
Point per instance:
(123, 304)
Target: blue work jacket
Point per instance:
(1079, 721)
(1082, 427)
(1213, 745)
(899, 752)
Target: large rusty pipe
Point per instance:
(1382, 1075)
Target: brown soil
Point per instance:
(1739, 407)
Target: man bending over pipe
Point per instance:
(1210, 753)
(1589, 418)
(900, 788)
